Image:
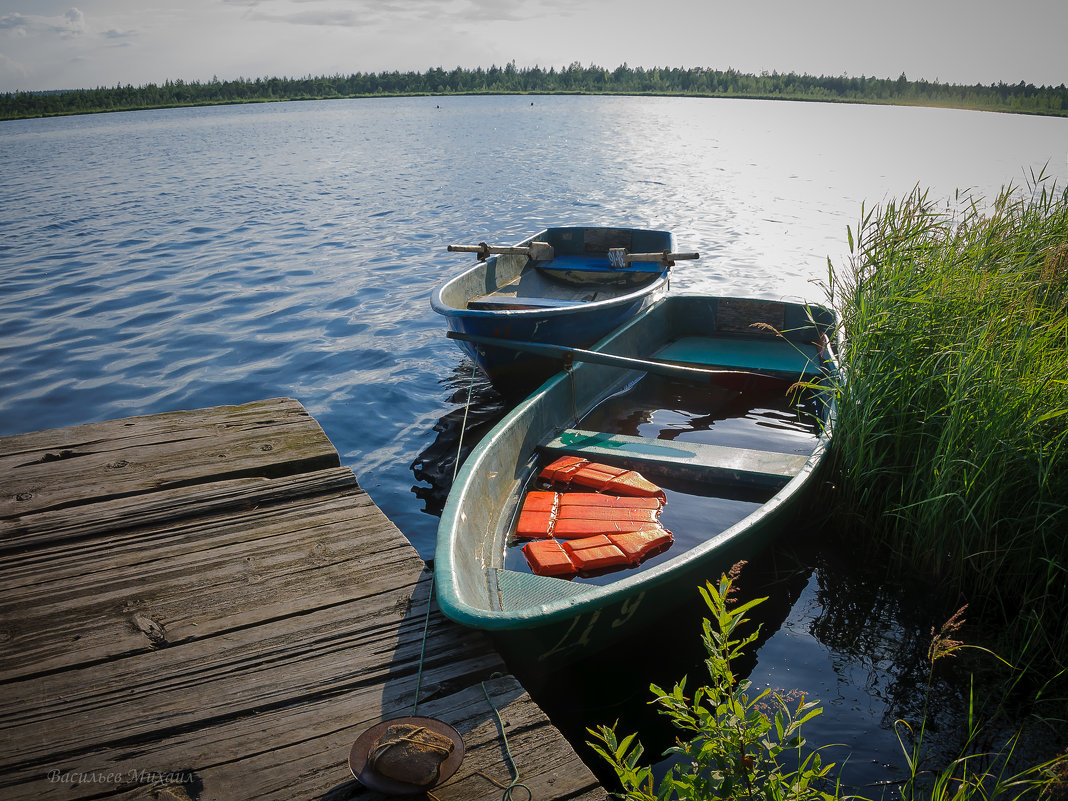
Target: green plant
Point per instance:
(951, 445)
(977, 773)
(734, 746)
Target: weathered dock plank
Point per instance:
(188, 614)
(63, 468)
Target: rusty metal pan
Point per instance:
(384, 784)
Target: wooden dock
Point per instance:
(205, 605)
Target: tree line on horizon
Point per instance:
(575, 79)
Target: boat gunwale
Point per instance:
(449, 311)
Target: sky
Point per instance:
(54, 44)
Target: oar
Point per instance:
(735, 379)
(618, 257)
(537, 251)
(543, 251)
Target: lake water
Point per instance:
(162, 260)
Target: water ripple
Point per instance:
(191, 257)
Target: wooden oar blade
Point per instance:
(619, 257)
(536, 251)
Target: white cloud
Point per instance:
(16, 23)
(364, 13)
(75, 20)
(70, 23)
(8, 66)
(323, 17)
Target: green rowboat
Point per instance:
(735, 469)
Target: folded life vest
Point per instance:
(583, 514)
(604, 552)
(548, 558)
(569, 471)
(591, 532)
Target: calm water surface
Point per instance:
(161, 260)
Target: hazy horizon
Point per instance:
(48, 45)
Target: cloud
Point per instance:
(478, 12)
(16, 23)
(363, 13)
(329, 13)
(69, 24)
(75, 22)
(516, 11)
(324, 17)
(10, 67)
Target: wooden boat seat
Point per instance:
(759, 355)
(694, 461)
(502, 302)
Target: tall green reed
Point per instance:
(952, 434)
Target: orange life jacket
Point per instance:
(574, 470)
(601, 553)
(583, 514)
(591, 532)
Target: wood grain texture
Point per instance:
(223, 620)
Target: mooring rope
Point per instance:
(508, 789)
(430, 595)
(382, 747)
(463, 425)
(422, 648)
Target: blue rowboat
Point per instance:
(564, 286)
(733, 472)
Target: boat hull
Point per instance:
(513, 371)
(601, 625)
(553, 621)
(575, 324)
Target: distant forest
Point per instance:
(575, 79)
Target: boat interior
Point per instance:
(578, 272)
(720, 453)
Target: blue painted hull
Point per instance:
(512, 369)
(573, 324)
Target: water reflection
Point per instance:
(478, 407)
(612, 687)
(833, 629)
(879, 633)
(766, 417)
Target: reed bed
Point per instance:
(952, 436)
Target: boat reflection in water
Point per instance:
(833, 628)
(457, 432)
(613, 684)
